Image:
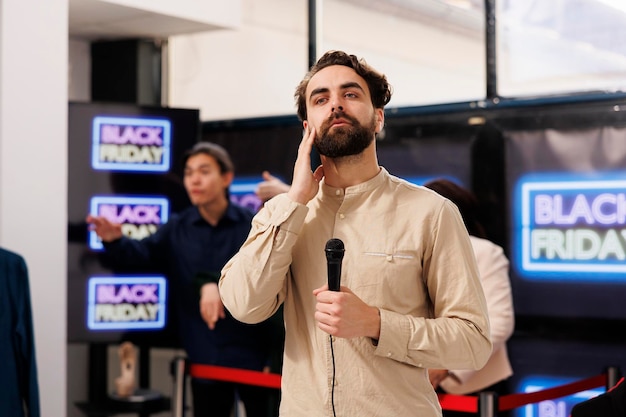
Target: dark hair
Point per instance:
(464, 200)
(211, 149)
(380, 90)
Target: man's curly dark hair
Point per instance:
(380, 90)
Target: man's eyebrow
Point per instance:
(345, 86)
(351, 84)
(318, 91)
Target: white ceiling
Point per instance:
(95, 20)
(117, 19)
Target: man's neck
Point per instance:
(351, 170)
(214, 211)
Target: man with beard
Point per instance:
(410, 297)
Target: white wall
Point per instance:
(33, 172)
(79, 70)
(253, 71)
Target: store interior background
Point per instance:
(240, 60)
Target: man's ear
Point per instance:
(227, 178)
(305, 124)
(380, 120)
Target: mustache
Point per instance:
(339, 114)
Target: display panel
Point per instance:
(256, 145)
(126, 303)
(567, 236)
(131, 144)
(125, 163)
(419, 150)
(411, 148)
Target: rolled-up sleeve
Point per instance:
(253, 282)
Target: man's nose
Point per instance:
(336, 101)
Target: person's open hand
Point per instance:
(211, 307)
(305, 182)
(436, 376)
(105, 229)
(270, 186)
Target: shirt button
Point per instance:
(342, 216)
(389, 354)
(337, 192)
(389, 258)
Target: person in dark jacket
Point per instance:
(610, 404)
(190, 249)
(19, 396)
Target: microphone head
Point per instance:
(334, 250)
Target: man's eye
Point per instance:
(321, 100)
(351, 95)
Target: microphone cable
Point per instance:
(332, 389)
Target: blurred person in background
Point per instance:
(190, 249)
(493, 267)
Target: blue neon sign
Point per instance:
(126, 302)
(139, 216)
(131, 144)
(572, 225)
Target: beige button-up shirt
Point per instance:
(407, 253)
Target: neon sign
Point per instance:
(123, 302)
(571, 224)
(131, 144)
(139, 216)
(558, 407)
(243, 192)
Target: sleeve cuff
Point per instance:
(394, 336)
(205, 277)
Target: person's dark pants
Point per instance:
(217, 399)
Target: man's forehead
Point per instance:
(334, 76)
(201, 159)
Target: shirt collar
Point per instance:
(231, 214)
(363, 187)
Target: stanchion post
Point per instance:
(487, 404)
(613, 375)
(179, 382)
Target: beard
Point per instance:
(344, 140)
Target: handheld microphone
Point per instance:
(334, 255)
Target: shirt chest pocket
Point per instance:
(388, 280)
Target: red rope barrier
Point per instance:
(241, 376)
(465, 403)
(508, 402)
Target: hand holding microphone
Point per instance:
(342, 313)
